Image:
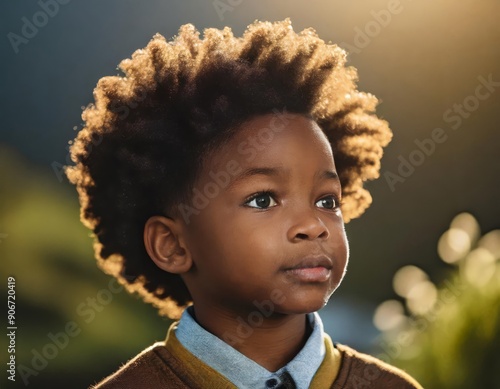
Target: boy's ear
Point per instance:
(165, 245)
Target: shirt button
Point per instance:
(271, 383)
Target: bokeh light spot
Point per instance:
(389, 315)
(467, 223)
(422, 297)
(453, 245)
(406, 278)
(491, 242)
(479, 267)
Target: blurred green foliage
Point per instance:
(453, 341)
(49, 252)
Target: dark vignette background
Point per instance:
(424, 60)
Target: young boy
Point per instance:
(223, 173)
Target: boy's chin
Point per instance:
(304, 307)
(306, 301)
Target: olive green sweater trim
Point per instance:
(204, 375)
(329, 368)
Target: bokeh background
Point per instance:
(424, 59)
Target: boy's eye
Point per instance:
(328, 202)
(261, 201)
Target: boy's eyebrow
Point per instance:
(277, 171)
(255, 171)
(329, 174)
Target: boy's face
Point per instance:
(269, 227)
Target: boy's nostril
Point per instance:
(324, 234)
(312, 235)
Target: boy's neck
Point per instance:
(270, 342)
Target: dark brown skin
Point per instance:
(239, 249)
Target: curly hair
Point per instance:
(144, 138)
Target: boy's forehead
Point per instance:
(264, 140)
(264, 133)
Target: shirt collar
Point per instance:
(242, 371)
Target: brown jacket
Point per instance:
(168, 365)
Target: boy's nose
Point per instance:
(308, 227)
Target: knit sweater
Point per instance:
(167, 365)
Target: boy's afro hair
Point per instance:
(145, 136)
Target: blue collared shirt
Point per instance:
(242, 371)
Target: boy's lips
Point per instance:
(311, 269)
